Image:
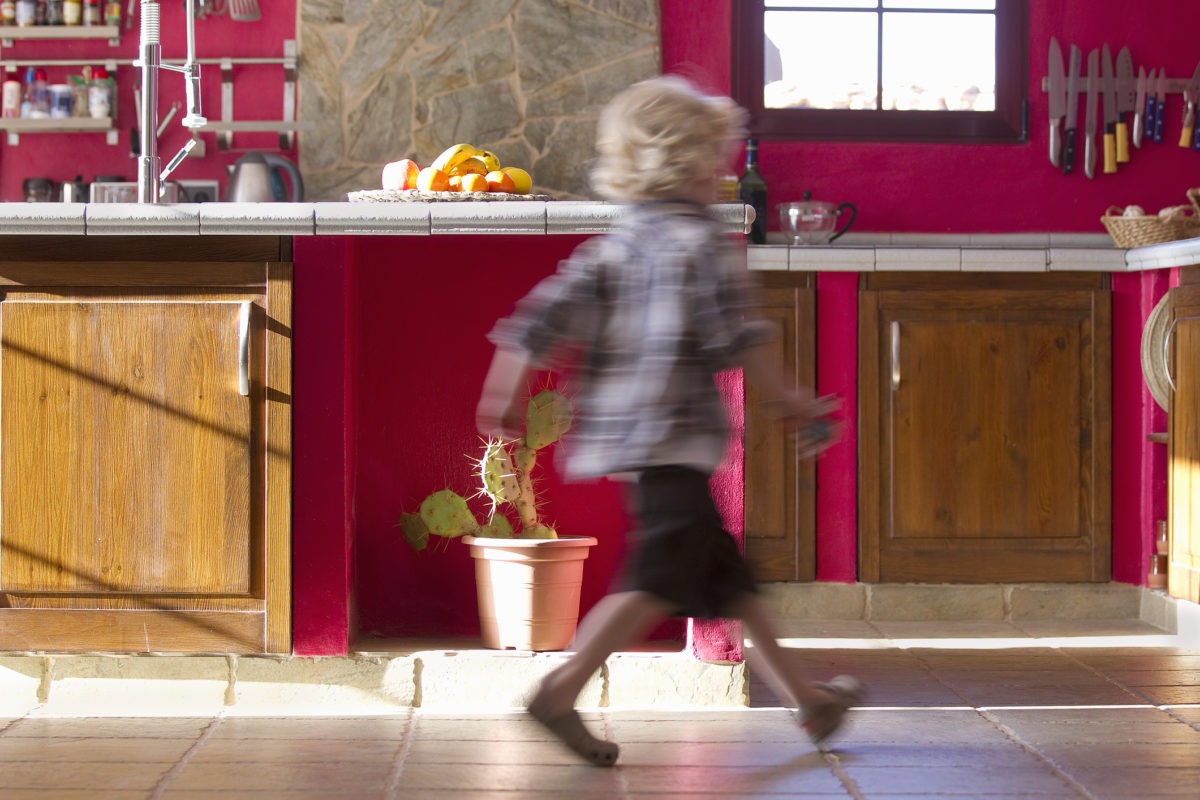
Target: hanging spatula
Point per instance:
(244, 10)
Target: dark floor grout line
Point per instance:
(1030, 748)
(177, 768)
(400, 760)
(839, 772)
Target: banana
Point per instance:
(469, 166)
(490, 160)
(452, 156)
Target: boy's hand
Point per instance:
(811, 418)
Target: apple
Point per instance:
(401, 174)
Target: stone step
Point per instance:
(394, 676)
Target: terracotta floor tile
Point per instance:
(979, 779)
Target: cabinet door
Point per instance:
(1183, 472)
(145, 466)
(135, 409)
(780, 514)
(985, 436)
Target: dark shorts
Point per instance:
(680, 550)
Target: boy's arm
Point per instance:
(795, 408)
(500, 412)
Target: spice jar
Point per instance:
(73, 12)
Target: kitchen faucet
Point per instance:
(150, 188)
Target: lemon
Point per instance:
(522, 182)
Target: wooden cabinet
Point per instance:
(145, 444)
(1183, 440)
(985, 428)
(780, 516)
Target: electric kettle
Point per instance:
(256, 178)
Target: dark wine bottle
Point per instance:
(752, 190)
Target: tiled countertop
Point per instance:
(855, 252)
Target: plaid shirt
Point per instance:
(655, 308)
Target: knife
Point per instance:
(1151, 107)
(1189, 112)
(1108, 85)
(1160, 104)
(1139, 107)
(1058, 103)
(1072, 110)
(1126, 101)
(1089, 118)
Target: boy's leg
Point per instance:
(612, 624)
(822, 705)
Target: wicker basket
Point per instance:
(1169, 225)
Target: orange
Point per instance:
(469, 166)
(500, 182)
(455, 182)
(474, 183)
(431, 179)
(401, 174)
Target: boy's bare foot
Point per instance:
(570, 730)
(821, 719)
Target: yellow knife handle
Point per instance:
(1122, 142)
(1189, 122)
(1110, 151)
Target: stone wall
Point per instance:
(388, 79)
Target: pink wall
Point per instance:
(962, 188)
(258, 95)
(397, 434)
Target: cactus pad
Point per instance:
(415, 531)
(498, 527)
(445, 513)
(497, 474)
(547, 418)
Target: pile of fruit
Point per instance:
(461, 168)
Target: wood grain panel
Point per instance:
(780, 515)
(1183, 474)
(120, 413)
(135, 631)
(985, 435)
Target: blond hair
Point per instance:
(657, 139)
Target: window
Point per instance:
(882, 70)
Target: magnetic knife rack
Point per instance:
(1173, 85)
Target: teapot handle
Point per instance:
(849, 222)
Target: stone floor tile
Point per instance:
(111, 727)
(1073, 756)
(980, 779)
(312, 728)
(63, 748)
(248, 778)
(228, 750)
(804, 775)
(999, 753)
(1128, 780)
(72, 775)
(482, 779)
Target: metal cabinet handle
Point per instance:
(244, 350)
(895, 355)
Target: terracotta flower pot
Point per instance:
(529, 590)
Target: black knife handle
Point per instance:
(1196, 138)
(1159, 113)
(1151, 108)
(1069, 152)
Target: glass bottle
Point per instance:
(26, 13)
(73, 12)
(112, 12)
(54, 12)
(92, 14)
(35, 101)
(752, 190)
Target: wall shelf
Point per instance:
(8, 35)
(16, 127)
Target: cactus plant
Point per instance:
(505, 472)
